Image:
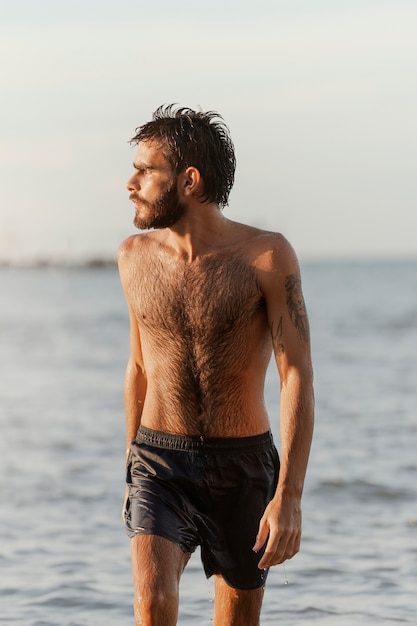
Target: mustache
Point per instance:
(136, 197)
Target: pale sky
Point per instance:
(320, 97)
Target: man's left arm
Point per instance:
(280, 526)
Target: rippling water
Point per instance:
(64, 557)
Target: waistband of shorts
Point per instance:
(198, 443)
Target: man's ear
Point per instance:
(190, 182)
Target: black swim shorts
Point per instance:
(208, 492)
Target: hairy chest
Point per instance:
(201, 299)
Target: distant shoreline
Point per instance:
(94, 263)
(109, 263)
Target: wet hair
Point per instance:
(194, 139)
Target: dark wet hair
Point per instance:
(194, 139)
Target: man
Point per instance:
(209, 301)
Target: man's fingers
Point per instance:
(271, 551)
(279, 550)
(261, 537)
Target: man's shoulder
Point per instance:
(267, 241)
(271, 251)
(269, 238)
(134, 254)
(134, 245)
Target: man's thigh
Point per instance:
(157, 562)
(236, 607)
(157, 565)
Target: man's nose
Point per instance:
(133, 184)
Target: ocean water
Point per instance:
(64, 556)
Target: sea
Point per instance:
(64, 555)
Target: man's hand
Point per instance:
(281, 525)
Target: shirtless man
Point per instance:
(209, 301)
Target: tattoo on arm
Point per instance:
(276, 333)
(296, 305)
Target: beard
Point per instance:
(162, 213)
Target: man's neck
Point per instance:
(202, 230)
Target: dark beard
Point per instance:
(166, 211)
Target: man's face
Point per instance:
(153, 189)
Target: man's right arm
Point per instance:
(135, 378)
(134, 397)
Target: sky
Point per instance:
(320, 97)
